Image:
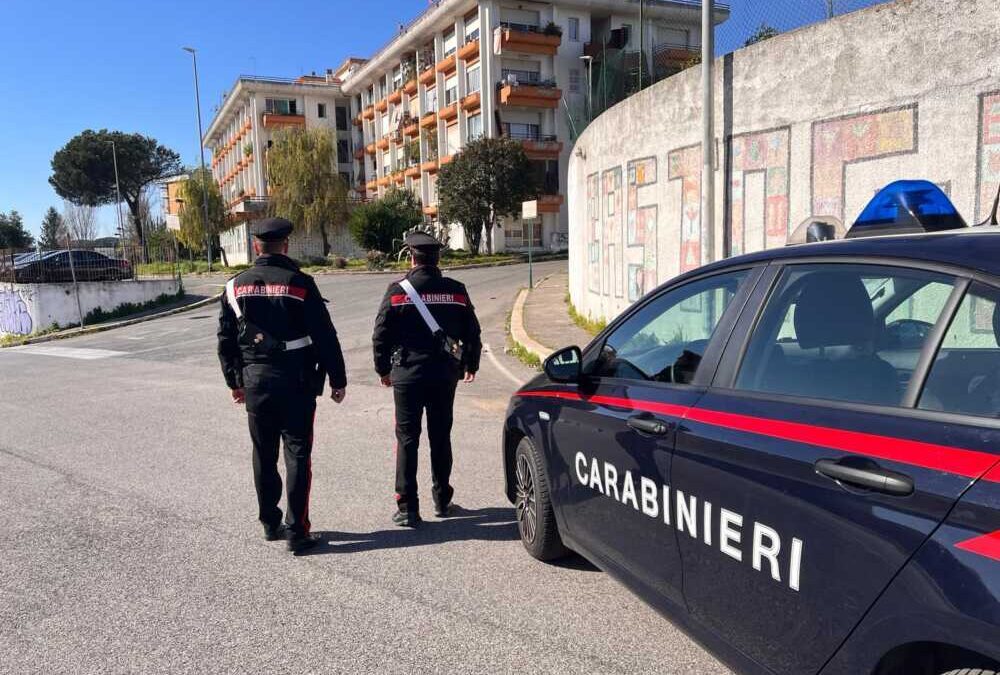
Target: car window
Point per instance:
(965, 377)
(834, 332)
(666, 340)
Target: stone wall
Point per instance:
(809, 123)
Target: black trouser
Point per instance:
(437, 397)
(279, 408)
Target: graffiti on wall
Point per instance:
(14, 316)
(685, 165)
(641, 227)
(988, 169)
(593, 233)
(611, 233)
(766, 153)
(841, 141)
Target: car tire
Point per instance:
(536, 520)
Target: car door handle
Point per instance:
(870, 476)
(648, 424)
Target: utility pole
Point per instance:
(642, 39)
(829, 9)
(589, 60)
(708, 130)
(201, 148)
(118, 193)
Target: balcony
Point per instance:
(410, 88)
(527, 39)
(396, 97)
(431, 211)
(383, 181)
(536, 145)
(469, 51)
(541, 95)
(359, 153)
(369, 113)
(357, 121)
(382, 106)
(446, 159)
(370, 148)
(429, 120)
(550, 203)
(447, 65)
(412, 171)
(372, 185)
(383, 143)
(471, 102)
(411, 127)
(399, 177)
(275, 120)
(448, 113)
(247, 204)
(427, 77)
(429, 166)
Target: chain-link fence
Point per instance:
(87, 262)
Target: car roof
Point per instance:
(973, 248)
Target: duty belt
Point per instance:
(289, 346)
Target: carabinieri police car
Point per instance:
(794, 455)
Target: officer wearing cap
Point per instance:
(277, 346)
(426, 339)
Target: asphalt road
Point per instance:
(130, 544)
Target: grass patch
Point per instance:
(185, 267)
(15, 340)
(99, 315)
(586, 323)
(519, 352)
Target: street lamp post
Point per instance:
(201, 149)
(589, 60)
(708, 128)
(118, 193)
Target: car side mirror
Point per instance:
(564, 365)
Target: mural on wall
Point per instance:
(768, 153)
(684, 164)
(988, 169)
(593, 234)
(641, 241)
(846, 140)
(611, 234)
(14, 316)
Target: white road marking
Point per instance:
(68, 352)
(502, 368)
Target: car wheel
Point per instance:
(536, 520)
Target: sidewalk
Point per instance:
(540, 322)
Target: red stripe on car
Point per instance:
(986, 545)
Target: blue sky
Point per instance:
(69, 65)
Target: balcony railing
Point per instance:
(529, 134)
(520, 76)
(521, 27)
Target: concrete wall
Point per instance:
(302, 245)
(810, 123)
(30, 308)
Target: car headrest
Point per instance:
(833, 308)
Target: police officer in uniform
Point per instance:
(423, 369)
(277, 345)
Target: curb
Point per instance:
(118, 324)
(502, 263)
(519, 334)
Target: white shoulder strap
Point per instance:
(231, 298)
(418, 302)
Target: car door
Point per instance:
(614, 432)
(811, 477)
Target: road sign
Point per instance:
(529, 212)
(529, 209)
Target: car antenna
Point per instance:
(992, 220)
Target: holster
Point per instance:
(258, 340)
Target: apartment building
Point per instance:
(470, 68)
(170, 200)
(243, 130)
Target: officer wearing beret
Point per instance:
(423, 367)
(277, 346)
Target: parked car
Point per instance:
(794, 455)
(54, 266)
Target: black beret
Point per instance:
(418, 239)
(273, 229)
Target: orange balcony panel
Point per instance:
(550, 203)
(428, 120)
(369, 113)
(528, 42)
(427, 77)
(469, 51)
(446, 66)
(530, 96)
(383, 143)
(399, 177)
(382, 105)
(411, 130)
(396, 97)
(370, 148)
(413, 171)
(449, 112)
(431, 211)
(410, 88)
(471, 102)
(446, 159)
(382, 182)
(542, 149)
(372, 185)
(271, 120)
(357, 121)
(429, 167)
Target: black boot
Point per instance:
(275, 532)
(407, 518)
(299, 543)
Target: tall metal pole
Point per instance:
(829, 9)
(708, 129)
(201, 149)
(118, 193)
(642, 39)
(590, 86)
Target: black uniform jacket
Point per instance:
(279, 298)
(399, 326)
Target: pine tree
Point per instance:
(12, 232)
(53, 230)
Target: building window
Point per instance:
(321, 110)
(430, 101)
(343, 152)
(450, 44)
(341, 117)
(475, 127)
(520, 131)
(473, 80)
(281, 106)
(450, 90)
(574, 80)
(574, 29)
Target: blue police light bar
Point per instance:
(907, 206)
